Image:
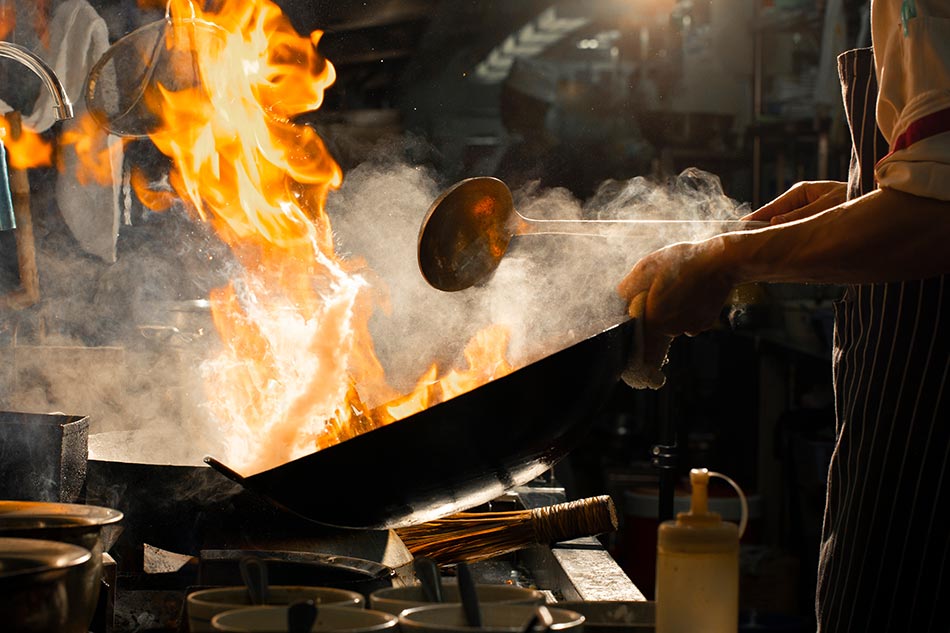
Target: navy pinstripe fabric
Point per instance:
(885, 549)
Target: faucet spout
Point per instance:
(63, 106)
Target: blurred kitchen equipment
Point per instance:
(180, 323)
(89, 527)
(457, 454)
(19, 186)
(475, 536)
(29, 291)
(61, 104)
(44, 456)
(159, 54)
(37, 581)
(7, 218)
(466, 231)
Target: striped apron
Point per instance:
(885, 550)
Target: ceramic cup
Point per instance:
(329, 620)
(496, 618)
(395, 600)
(203, 605)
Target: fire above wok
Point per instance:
(457, 454)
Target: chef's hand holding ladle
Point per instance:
(468, 227)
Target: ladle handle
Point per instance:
(254, 574)
(529, 226)
(469, 595)
(301, 616)
(428, 573)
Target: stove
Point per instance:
(187, 528)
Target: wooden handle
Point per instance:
(574, 519)
(29, 291)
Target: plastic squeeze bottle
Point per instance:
(697, 566)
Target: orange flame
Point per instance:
(94, 152)
(152, 199)
(41, 20)
(7, 18)
(294, 323)
(26, 150)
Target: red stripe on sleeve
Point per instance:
(924, 127)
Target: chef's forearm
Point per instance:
(886, 235)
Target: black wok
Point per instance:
(457, 454)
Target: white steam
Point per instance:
(550, 291)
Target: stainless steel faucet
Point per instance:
(63, 107)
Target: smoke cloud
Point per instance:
(133, 365)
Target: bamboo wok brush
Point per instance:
(473, 536)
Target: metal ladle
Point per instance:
(468, 227)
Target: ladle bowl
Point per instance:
(467, 230)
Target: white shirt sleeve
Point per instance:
(912, 56)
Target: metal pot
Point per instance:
(44, 456)
(36, 580)
(175, 507)
(176, 322)
(191, 509)
(459, 453)
(76, 524)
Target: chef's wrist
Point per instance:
(743, 257)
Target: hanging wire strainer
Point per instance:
(160, 53)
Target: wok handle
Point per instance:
(224, 470)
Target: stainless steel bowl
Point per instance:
(89, 527)
(37, 580)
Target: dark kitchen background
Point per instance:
(542, 94)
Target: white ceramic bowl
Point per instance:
(395, 600)
(496, 618)
(329, 620)
(203, 605)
